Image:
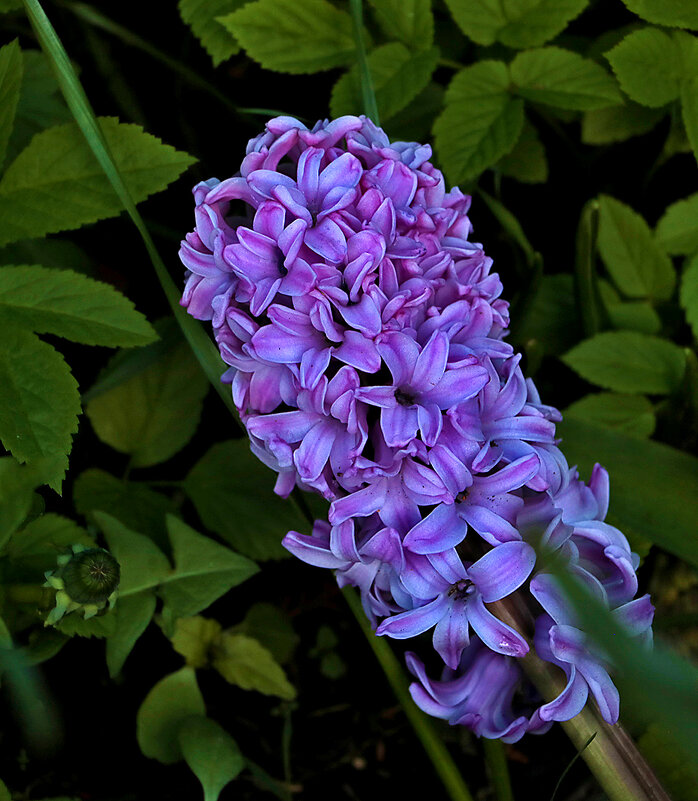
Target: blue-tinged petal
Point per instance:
(439, 530)
(415, 621)
(496, 635)
(490, 526)
(511, 477)
(431, 363)
(502, 570)
(314, 451)
(456, 386)
(399, 425)
(362, 503)
(635, 616)
(451, 634)
(430, 422)
(327, 240)
(570, 702)
(312, 551)
(399, 352)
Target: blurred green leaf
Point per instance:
(409, 21)
(480, 123)
(689, 109)
(4, 792)
(201, 16)
(553, 318)
(627, 361)
(57, 254)
(628, 414)
(244, 661)
(194, 637)
(233, 494)
(272, 627)
(602, 126)
(689, 293)
(628, 316)
(297, 36)
(510, 224)
(414, 122)
(132, 616)
(165, 709)
(562, 78)
(677, 230)
(211, 753)
(661, 750)
(10, 83)
(666, 12)
(526, 162)
(44, 189)
(42, 540)
(17, 485)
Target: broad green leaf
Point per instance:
(689, 109)
(515, 23)
(603, 126)
(156, 412)
(42, 540)
(57, 254)
(75, 625)
(398, 77)
(527, 161)
(201, 16)
(70, 305)
(630, 59)
(10, 83)
(510, 224)
(211, 753)
(39, 401)
(409, 21)
(194, 638)
(44, 189)
(628, 414)
(676, 774)
(564, 79)
(639, 268)
(481, 121)
(689, 293)
(17, 485)
(553, 318)
(132, 616)
(679, 13)
(244, 661)
(677, 230)
(414, 123)
(627, 361)
(204, 570)
(297, 36)
(272, 627)
(634, 316)
(161, 715)
(233, 494)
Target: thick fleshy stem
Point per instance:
(497, 768)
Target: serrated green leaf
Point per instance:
(44, 189)
(627, 361)
(564, 79)
(243, 661)
(201, 16)
(409, 21)
(204, 570)
(167, 706)
(628, 414)
(398, 77)
(629, 59)
(634, 316)
(155, 413)
(481, 121)
(10, 84)
(233, 494)
(39, 401)
(618, 123)
(56, 254)
(211, 753)
(689, 293)
(132, 616)
(297, 36)
(70, 305)
(272, 627)
(515, 23)
(526, 162)
(677, 13)
(677, 230)
(639, 268)
(75, 625)
(414, 123)
(553, 319)
(42, 540)
(194, 637)
(17, 485)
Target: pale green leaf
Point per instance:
(70, 305)
(161, 715)
(272, 627)
(481, 121)
(527, 161)
(398, 77)
(43, 539)
(409, 21)
(677, 230)
(56, 184)
(39, 401)
(194, 638)
(689, 293)
(603, 126)
(634, 316)
(233, 494)
(297, 36)
(156, 412)
(627, 361)
(515, 23)
(564, 79)
(639, 268)
(679, 13)
(201, 16)
(628, 414)
(132, 616)
(244, 661)
(10, 83)
(211, 753)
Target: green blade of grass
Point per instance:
(497, 768)
(368, 93)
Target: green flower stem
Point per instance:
(440, 758)
(497, 768)
(367, 91)
(585, 273)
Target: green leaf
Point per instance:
(70, 305)
(233, 494)
(201, 16)
(676, 774)
(398, 77)
(651, 87)
(564, 79)
(243, 661)
(618, 123)
(4, 792)
(44, 189)
(639, 268)
(204, 570)
(194, 638)
(689, 109)
(677, 13)
(272, 627)
(39, 401)
(165, 709)
(75, 625)
(677, 230)
(155, 413)
(636, 316)
(626, 361)
(17, 485)
(211, 753)
(481, 121)
(553, 318)
(628, 414)
(409, 21)
(520, 24)
(10, 83)
(57, 254)
(527, 161)
(414, 123)
(43, 539)
(689, 293)
(132, 616)
(297, 36)
(9, 5)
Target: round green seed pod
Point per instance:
(91, 576)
